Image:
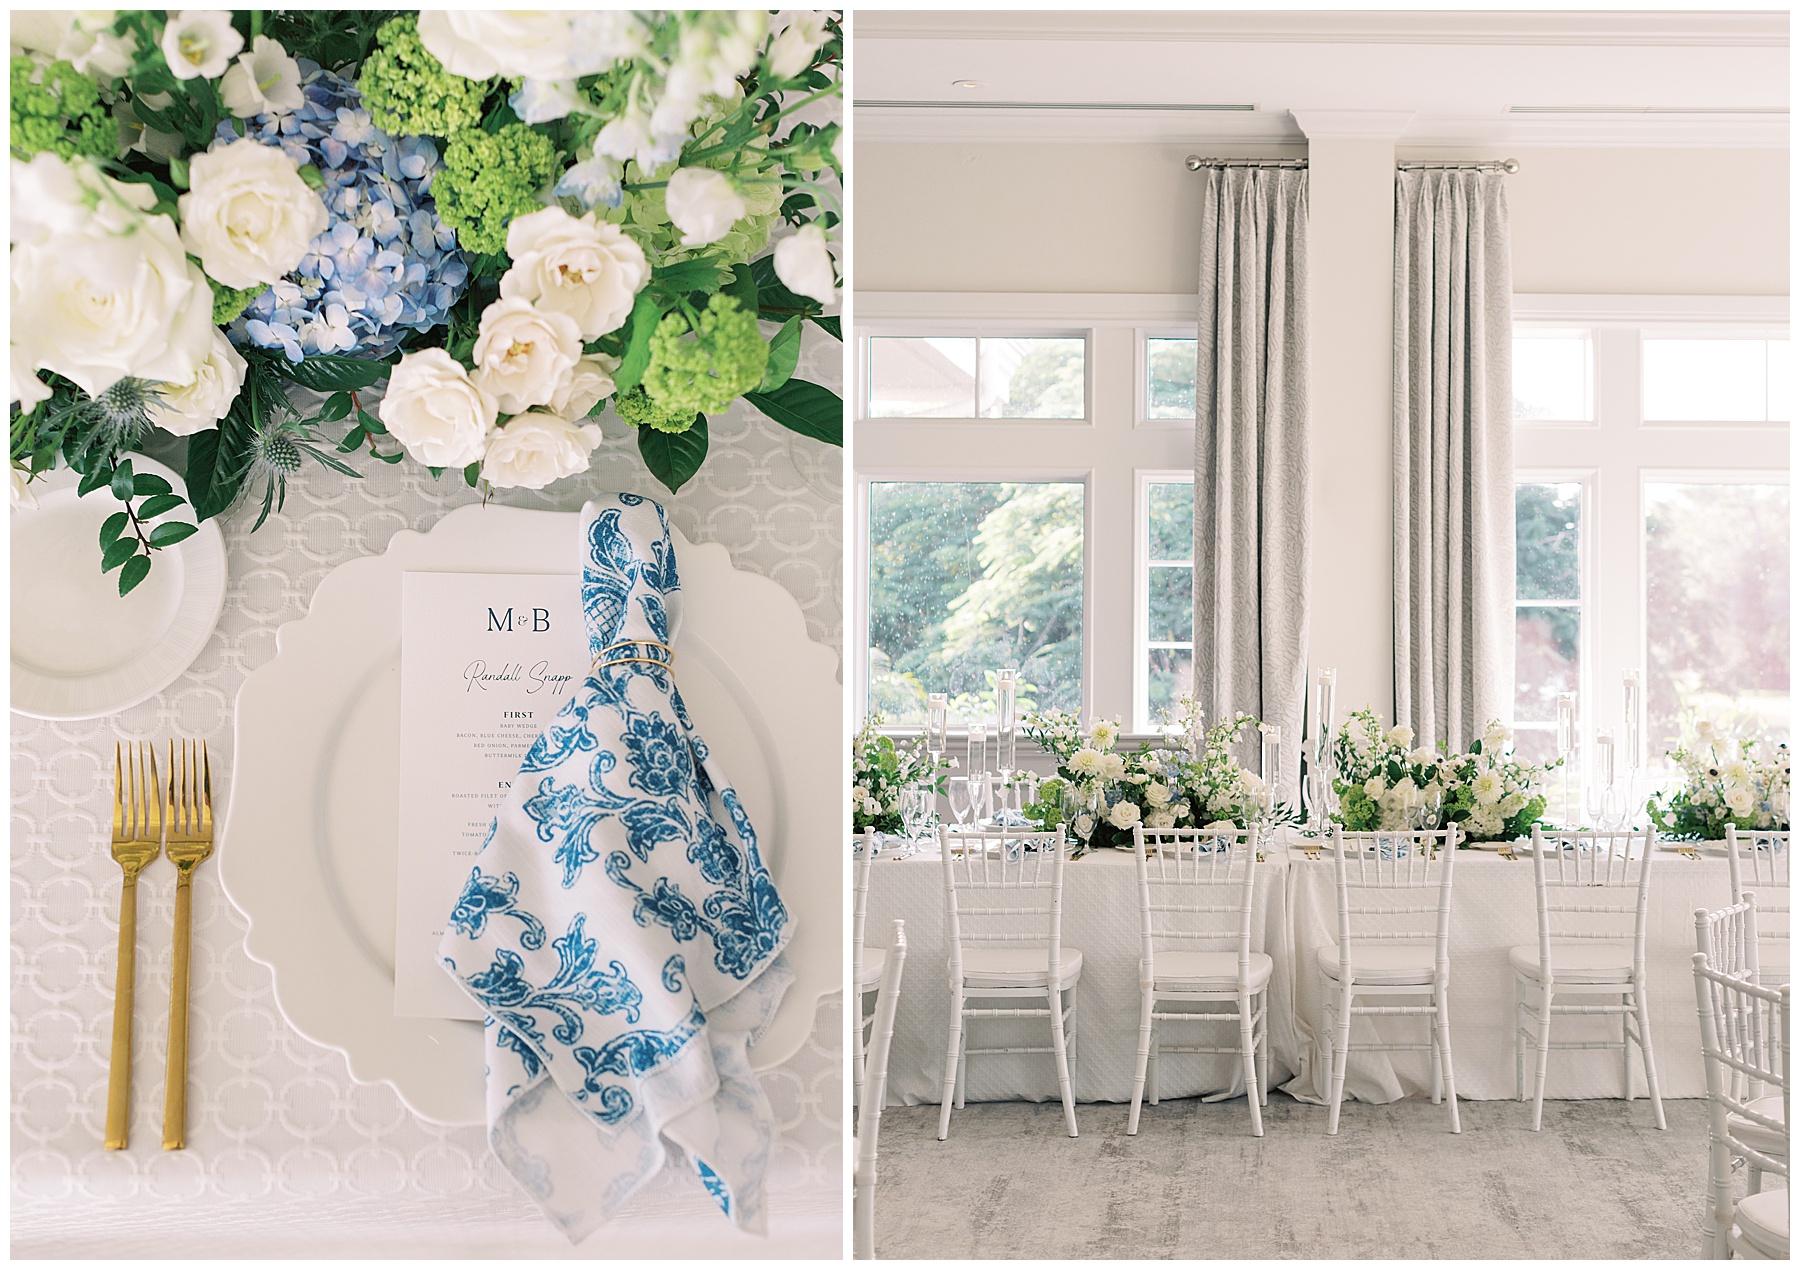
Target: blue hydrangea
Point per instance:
(386, 264)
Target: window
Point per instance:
(1169, 371)
(967, 377)
(1652, 512)
(1165, 618)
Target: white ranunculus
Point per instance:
(100, 289)
(792, 50)
(537, 448)
(525, 356)
(581, 266)
(200, 42)
(436, 411)
(590, 383)
(483, 43)
(702, 205)
(803, 264)
(264, 81)
(248, 215)
(1125, 815)
(199, 402)
(1085, 762)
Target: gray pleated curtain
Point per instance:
(1453, 482)
(1252, 514)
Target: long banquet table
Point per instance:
(1296, 912)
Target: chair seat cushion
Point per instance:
(1017, 967)
(1182, 969)
(1392, 964)
(1765, 1140)
(1590, 961)
(1762, 1219)
(874, 965)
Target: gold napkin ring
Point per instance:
(602, 661)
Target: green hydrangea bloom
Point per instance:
(488, 179)
(640, 410)
(724, 360)
(408, 91)
(59, 110)
(229, 302)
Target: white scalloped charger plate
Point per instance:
(310, 844)
(80, 650)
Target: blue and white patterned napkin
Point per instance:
(620, 928)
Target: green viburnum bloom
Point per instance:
(490, 178)
(229, 302)
(724, 360)
(641, 410)
(408, 91)
(58, 110)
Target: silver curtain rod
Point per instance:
(1195, 163)
(1508, 166)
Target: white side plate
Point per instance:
(79, 649)
(310, 843)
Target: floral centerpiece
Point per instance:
(297, 236)
(1725, 781)
(881, 769)
(1383, 781)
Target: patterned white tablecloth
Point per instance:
(286, 1154)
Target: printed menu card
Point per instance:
(486, 661)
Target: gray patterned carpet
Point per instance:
(1598, 1181)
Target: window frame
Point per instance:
(1062, 332)
(1140, 597)
(1141, 373)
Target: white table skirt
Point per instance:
(1296, 914)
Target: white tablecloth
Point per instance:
(1296, 913)
(286, 1154)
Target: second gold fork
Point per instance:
(190, 841)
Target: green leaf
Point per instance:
(703, 274)
(784, 355)
(149, 483)
(216, 460)
(674, 457)
(151, 508)
(353, 440)
(742, 287)
(172, 532)
(114, 526)
(332, 372)
(122, 482)
(94, 478)
(312, 176)
(133, 573)
(645, 314)
(472, 473)
(370, 423)
(336, 407)
(118, 554)
(831, 326)
(805, 408)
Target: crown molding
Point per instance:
(933, 310)
(1352, 125)
(1658, 310)
(1127, 124)
(1594, 130)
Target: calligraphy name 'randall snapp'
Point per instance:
(535, 678)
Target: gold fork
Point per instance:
(137, 802)
(190, 841)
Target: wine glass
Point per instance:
(962, 797)
(915, 814)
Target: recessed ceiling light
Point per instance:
(965, 83)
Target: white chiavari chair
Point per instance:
(1586, 948)
(1739, 1055)
(866, 964)
(1728, 938)
(868, 1120)
(1759, 862)
(1390, 945)
(1003, 910)
(1196, 902)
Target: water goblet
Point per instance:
(962, 797)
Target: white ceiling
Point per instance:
(1660, 78)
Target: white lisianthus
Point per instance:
(589, 269)
(1400, 737)
(1156, 794)
(1487, 787)
(1740, 800)
(703, 205)
(264, 81)
(536, 448)
(1125, 815)
(248, 215)
(525, 356)
(803, 263)
(1083, 826)
(1103, 735)
(483, 43)
(1112, 767)
(589, 384)
(200, 42)
(1374, 787)
(1085, 762)
(434, 409)
(200, 402)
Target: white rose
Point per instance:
(858, 793)
(537, 448)
(200, 402)
(1400, 737)
(1162, 818)
(1374, 787)
(1740, 800)
(248, 215)
(1124, 815)
(200, 42)
(1156, 794)
(702, 205)
(434, 409)
(791, 51)
(483, 43)
(563, 264)
(1085, 762)
(1112, 767)
(803, 263)
(589, 383)
(264, 81)
(99, 289)
(525, 356)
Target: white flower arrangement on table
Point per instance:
(880, 770)
(1741, 781)
(1383, 781)
(232, 226)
